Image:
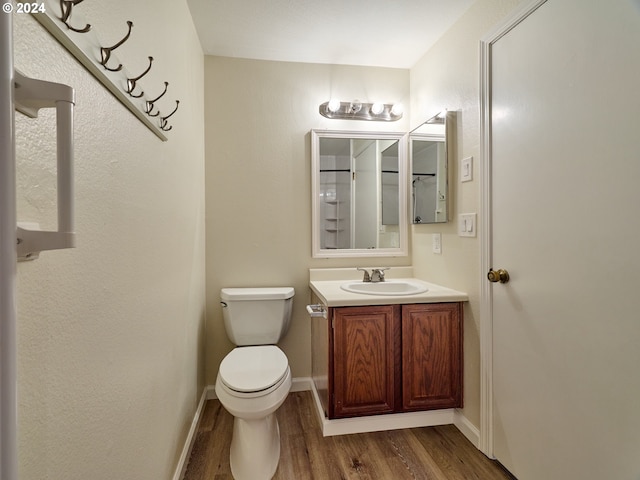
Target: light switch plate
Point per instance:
(467, 225)
(466, 169)
(436, 240)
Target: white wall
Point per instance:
(258, 180)
(448, 77)
(110, 333)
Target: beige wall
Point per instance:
(258, 177)
(448, 77)
(258, 180)
(110, 333)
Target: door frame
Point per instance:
(486, 241)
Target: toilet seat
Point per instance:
(253, 371)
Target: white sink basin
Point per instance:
(388, 287)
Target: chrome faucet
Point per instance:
(377, 275)
(366, 277)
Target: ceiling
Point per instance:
(381, 33)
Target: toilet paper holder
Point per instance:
(317, 310)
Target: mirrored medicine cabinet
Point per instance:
(367, 186)
(429, 146)
(359, 188)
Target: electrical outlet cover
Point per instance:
(436, 240)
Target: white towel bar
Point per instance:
(30, 96)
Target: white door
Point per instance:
(565, 199)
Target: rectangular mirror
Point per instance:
(359, 188)
(429, 146)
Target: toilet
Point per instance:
(254, 378)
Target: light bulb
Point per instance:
(397, 109)
(334, 105)
(377, 108)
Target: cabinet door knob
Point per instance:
(500, 275)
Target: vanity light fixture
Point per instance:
(397, 109)
(438, 119)
(333, 105)
(355, 107)
(377, 108)
(357, 110)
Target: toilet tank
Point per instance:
(256, 316)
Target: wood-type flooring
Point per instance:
(430, 453)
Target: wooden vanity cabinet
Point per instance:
(366, 346)
(389, 359)
(431, 356)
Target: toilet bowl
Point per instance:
(252, 384)
(254, 379)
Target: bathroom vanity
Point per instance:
(385, 352)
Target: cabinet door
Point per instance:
(431, 356)
(365, 343)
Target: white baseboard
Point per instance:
(345, 426)
(301, 384)
(191, 437)
(467, 428)
(211, 392)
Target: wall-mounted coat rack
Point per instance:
(62, 19)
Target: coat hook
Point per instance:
(149, 104)
(106, 51)
(66, 6)
(163, 120)
(131, 82)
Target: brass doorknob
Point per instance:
(500, 275)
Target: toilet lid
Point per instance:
(251, 369)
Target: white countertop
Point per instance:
(326, 283)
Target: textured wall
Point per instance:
(448, 76)
(110, 333)
(258, 179)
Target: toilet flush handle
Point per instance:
(224, 304)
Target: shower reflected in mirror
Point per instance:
(428, 150)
